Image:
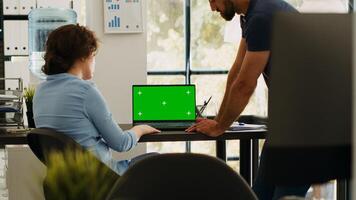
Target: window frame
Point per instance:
(189, 72)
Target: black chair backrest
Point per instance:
(43, 141)
(181, 176)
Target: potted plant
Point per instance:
(73, 175)
(28, 95)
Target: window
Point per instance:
(321, 6)
(209, 51)
(165, 35)
(204, 61)
(160, 79)
(187, 43)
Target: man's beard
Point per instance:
(229, 13)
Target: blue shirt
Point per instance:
(76, 108)
(256, 26)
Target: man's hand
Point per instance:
(206, 126)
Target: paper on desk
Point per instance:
(236, 126)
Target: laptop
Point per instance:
(165, 107)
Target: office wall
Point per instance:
(353, 182)
(121, 62)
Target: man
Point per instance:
(252, 60)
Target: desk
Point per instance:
(248, 144)
(248, 148)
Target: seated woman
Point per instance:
(69, 103)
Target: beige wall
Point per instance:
(120, 63)
(353, 182)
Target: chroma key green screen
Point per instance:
(164, 102)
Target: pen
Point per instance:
(205, 104)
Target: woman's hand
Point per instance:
(141, 130)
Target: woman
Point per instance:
(69, 103)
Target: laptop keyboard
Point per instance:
(170, 125)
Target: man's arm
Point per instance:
(239, 95)
(233, 74)
(243, 87)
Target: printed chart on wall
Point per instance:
(123, 16)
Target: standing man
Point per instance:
(252, 60)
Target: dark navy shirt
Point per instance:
(257, 26)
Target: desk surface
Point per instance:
(164, 136)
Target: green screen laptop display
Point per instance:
(164, 103)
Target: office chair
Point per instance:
(181, 176)
(43, 142)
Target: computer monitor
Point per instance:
(156, 103)
(310, 96)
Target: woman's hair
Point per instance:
(67, 44)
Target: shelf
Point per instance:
(16, 120)
(15, 17)
(6, 95)
(11, 105)
(8, 57)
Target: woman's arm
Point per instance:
(99, 114)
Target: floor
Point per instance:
(3, 188)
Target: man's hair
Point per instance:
(67, 44)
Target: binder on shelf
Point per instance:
(15, 37)
(53, 4)
(17, 69)
(26, 6)
(23, 39)
(9, 37)
(11, 7)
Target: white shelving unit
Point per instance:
(11, 104)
